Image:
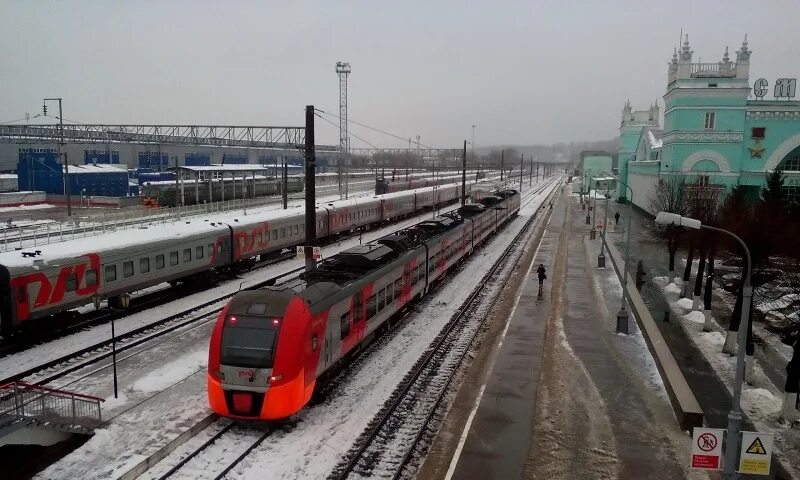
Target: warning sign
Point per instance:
(706, 448)
(756, 453)
(316, 251)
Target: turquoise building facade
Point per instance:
(717, 127)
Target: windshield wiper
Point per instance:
(255, 372)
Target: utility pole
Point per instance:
(311, 217)
(530, 175)
(60, 147)
(502, 158)
(285, 186)
(464, 175)
(521, 164)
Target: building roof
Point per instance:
(235, 167)
(99, 168)
(654, 137)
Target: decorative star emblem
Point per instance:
(756, 151)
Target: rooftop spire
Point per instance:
(726, 58)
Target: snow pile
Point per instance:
(696, 317)
(685, 303)
(672, 288)
(660, 279)
(759, 403)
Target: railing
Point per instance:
(56, 408)
(719, 69)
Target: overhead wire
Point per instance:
(405, 139)
(351, 134)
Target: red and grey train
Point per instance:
(37, 282)
(270, 347)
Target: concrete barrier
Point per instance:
(683, 401)
(15, 199)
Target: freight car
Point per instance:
(164, 192)
(270, 347)
(38, 282)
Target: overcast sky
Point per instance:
(523, 72)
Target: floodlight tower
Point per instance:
(343, 69)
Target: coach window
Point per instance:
(398, 288)
(283, 232)
(296, 229)
(72, 282)
(144, 265)
(159, 261)
(357, 310)
(381, 299)
(414, 276)
(173, 258)
(345, 325)
(211, 249)
(198, 252)
(274, 234)
(127, 269)
(389, 294)
(111, 273)
(187, 255)
(371, 307)
(91, 277)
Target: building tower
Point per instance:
(343, 69)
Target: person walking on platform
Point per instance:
(616, 218)
(542, 274)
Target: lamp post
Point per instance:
(735, 414)
(622, 315)
(83, 190)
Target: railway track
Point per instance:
(220, 441)
(71, 362)
(388, 444)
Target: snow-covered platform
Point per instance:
(559, 394)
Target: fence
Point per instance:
(62, 410)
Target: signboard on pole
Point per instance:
(707, 448)
(317, 252)
(756, 453)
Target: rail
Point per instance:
(59, 409)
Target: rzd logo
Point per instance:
(51, 294)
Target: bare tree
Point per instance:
(669, 196)
(703, 200)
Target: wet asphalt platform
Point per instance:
(567, 398)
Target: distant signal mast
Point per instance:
(343, 69)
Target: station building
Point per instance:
(717, 127)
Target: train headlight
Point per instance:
(275, 378)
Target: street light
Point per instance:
(60, 146)
(735, 414)
(83, 191)
(622, 315)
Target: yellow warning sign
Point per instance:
(756, 453)
(756, 448)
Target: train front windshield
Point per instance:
(249, 341)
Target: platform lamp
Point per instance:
(735, 414)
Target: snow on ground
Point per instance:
(322, 434)
(37, 206)
(761, 401)
(696, 317)
(167, 375)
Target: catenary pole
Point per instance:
(311, 217)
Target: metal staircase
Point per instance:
(23, 405)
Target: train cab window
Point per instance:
(398, 288)
(159, 261)
(91, 277)
(72, 282)
(111, 273)
(198, 252)
(344, 322)
(187, 255)
(381, 299)
(127, 269)
(144, 265)
(371, 307)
